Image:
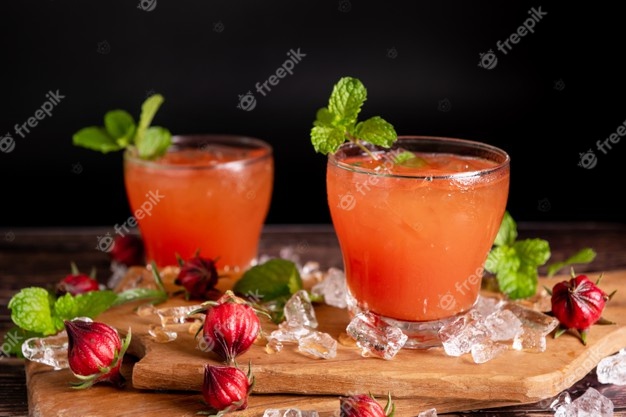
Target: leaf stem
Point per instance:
(359, 143)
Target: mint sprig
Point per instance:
(338, 122)
(120, 131)
(516, 263)
(270, 285)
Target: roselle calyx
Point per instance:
(128, 250)
(365, 405)
(95, 352)
(230, 327)
(198, 276)
(77, 283)
(578, 303)
(226, 388)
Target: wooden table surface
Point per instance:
(39, 257)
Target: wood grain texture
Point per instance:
(417, 379)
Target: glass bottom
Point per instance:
(421, 334)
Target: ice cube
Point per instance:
(612, 369)
(530, 340)
(375, 336)
(458, 336)
(487, 350)
(591, 404)
(161, 334)
(563, 399)
(532, 319)
(49, 350)
(487, 305)
(318, 345)
(178, 315)
(333, 288)
(299, 310)
(289, 412)
(503, 325)
(431, 412)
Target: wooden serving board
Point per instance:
(167, 377)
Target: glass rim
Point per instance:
(196, 141)
(442, 140)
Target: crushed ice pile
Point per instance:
(494, 326)
(591, 404)
(612, 369)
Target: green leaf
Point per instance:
(149, 109)
(269, 281)
(346, 100)
(154, 142)
(583, 256)
(502, 259)
(89, 304)
(120, 125)
(507, 232)
(30, 310)
(517, 284)
(324, 118)
(95, 138)
(135, 294)
(376, 131)
(327, 139)
(532, 252)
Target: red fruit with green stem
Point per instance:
(226, 388)
(78, 283)
(578, 303)
(198, 276)
(363, 405)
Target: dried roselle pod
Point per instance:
(95, 352)
(230, 327)
(578, 303)
(226, 388)
(364, 405)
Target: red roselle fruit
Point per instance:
(128, 250)
(362, 405)
(578, 304)
(95, 352)
(77, 283)
(226, 388)
(231, 326)
(198, 276)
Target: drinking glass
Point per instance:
(415, 232)
(209, 194)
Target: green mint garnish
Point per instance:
(35, 309)
(337, 122)
(583, 256)
(516, 263)
(270, 285)
(409, 159)
(120, 131)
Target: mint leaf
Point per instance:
(501, 260)
(95, 138)
(89, 304)
(272, 280)
(148, 111)
(520, 283)
(507, 232)
(31, 311)
(120, 132)
(121, 126)
(337, 122)
(376, 131)
(346, 100)
(327, 139)
(583, 256)
(532, 252)
(154, 143)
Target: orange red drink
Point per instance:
(214, 193)
(414, 235)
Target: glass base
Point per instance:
(421, 334)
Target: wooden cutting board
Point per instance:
(166, 377)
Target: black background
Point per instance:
(549, 99)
